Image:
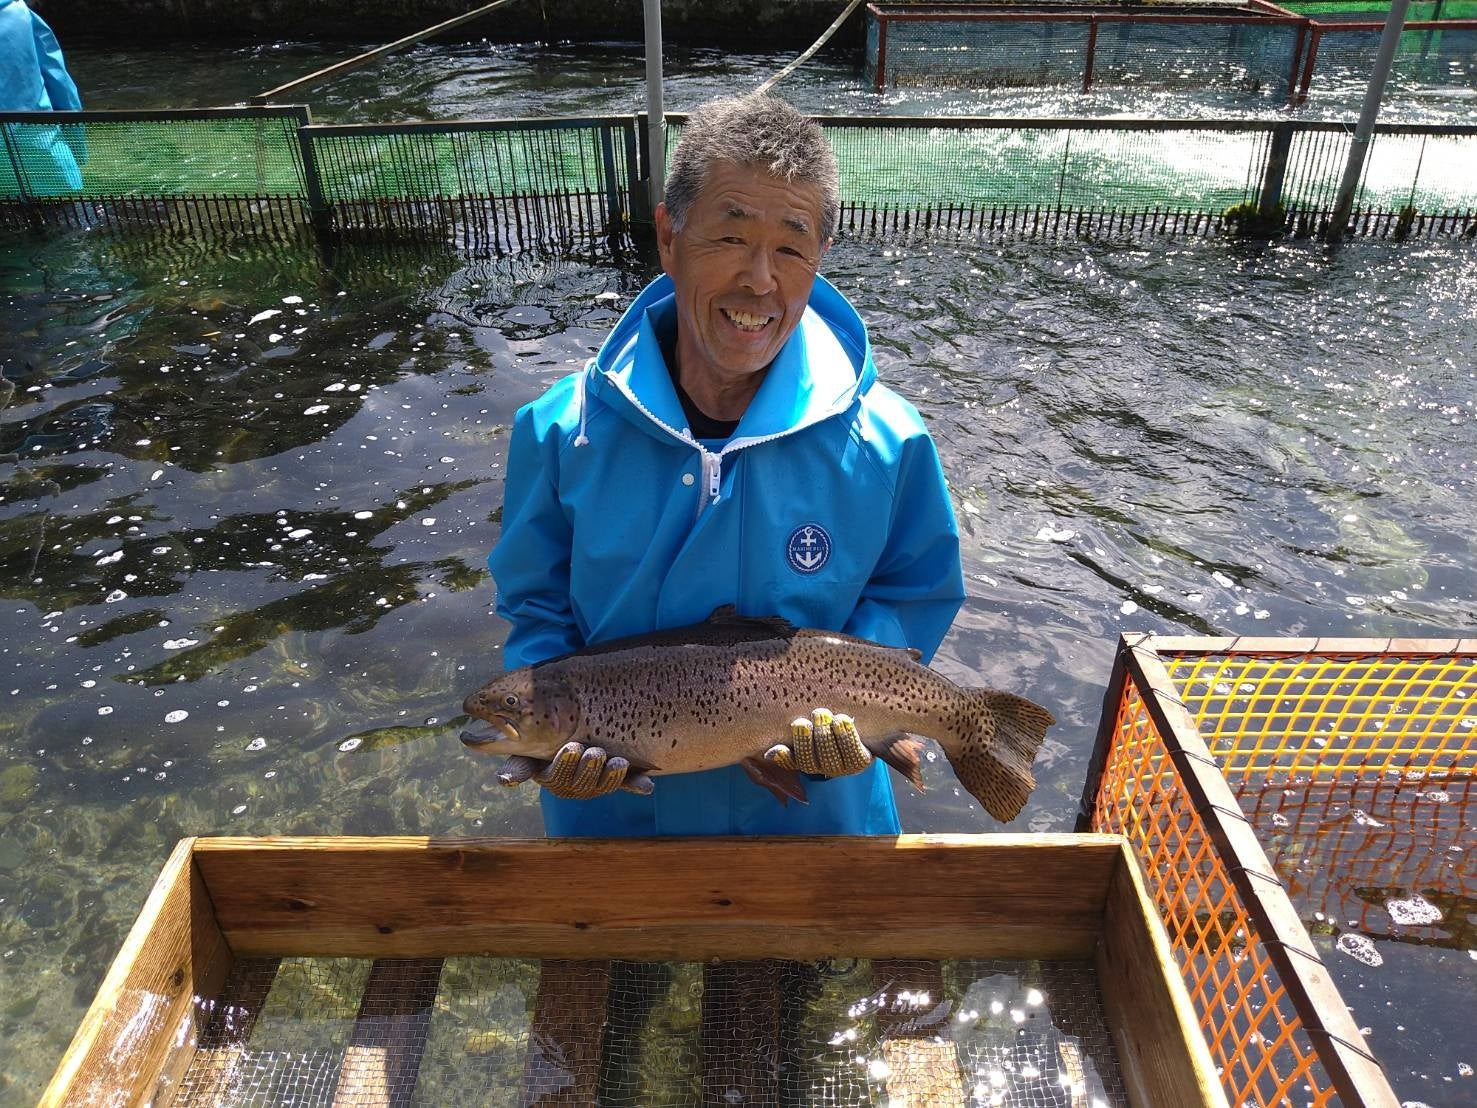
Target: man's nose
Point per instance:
(758, 275)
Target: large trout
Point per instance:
(725, 691)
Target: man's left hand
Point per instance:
(825, 744)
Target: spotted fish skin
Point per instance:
(724, 691)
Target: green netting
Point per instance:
(187, 155)
(1099, 170)
(1365, 10)
(464, 161)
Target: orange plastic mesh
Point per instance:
(1251, 1028)
(1374, 723)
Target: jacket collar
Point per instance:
(818, 372)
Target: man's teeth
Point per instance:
(744, 321)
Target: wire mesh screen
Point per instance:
(501, 1031)
(1355, 767)
(202, 154)
(1100, 169)
(522, 182)
(965, 46)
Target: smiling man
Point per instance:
(728, 445)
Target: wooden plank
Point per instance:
(137, 1037)
(1161, 1053)
(565, 1038)
(668, 899)
(922, 1061)
(739, 1032)
(384, 1054)
(1358, 1077)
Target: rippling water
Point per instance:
(241, 553)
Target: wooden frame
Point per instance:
(923, 897)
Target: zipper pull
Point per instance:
(713, 471)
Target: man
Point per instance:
(729, 444)
(34, 78)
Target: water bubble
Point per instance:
(1413, 911)
(300, 533)
(1128, 607)
(428, 521)
(349, 744)
(268, 314)
(180, 644)
(179, 715)
(1051, 534)
(257, 744)
(292, 299)
(315, 409)
(363, 515)
(105, 710)
(1360, 948)
(236, 811)
(115, 596)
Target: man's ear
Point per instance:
(664, 235)
(825, 245)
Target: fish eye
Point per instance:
(510, 701)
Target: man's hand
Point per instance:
(824, 744)
(576, 772)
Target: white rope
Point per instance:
(803, 58)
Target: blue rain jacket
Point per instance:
(34, 78)
(828, 506)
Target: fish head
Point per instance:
(521, 715)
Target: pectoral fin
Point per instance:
(903, 753)
(784, 783)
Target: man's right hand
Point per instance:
(576, 772)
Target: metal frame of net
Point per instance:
(1197, 731)
(1256, 47)
(1252, 46)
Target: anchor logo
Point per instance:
(808, 549)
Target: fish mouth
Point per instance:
(484, 733)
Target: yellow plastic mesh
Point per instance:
(1359, 715)
(1373, 738)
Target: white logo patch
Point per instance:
(808, 549)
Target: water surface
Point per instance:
(242, 534)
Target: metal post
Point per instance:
(656, 118)
(1389, 40)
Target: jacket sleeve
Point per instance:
(918, 584)
(530, 562)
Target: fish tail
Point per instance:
(998, 738)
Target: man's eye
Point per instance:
(732, 240)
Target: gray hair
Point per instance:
(753, 130)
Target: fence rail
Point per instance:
(514, 183)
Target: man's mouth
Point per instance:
(744, 321)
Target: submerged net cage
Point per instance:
(1253, 46)
(1201, 739)
(506, 185)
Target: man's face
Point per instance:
(743, 264)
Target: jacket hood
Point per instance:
(822, 368)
